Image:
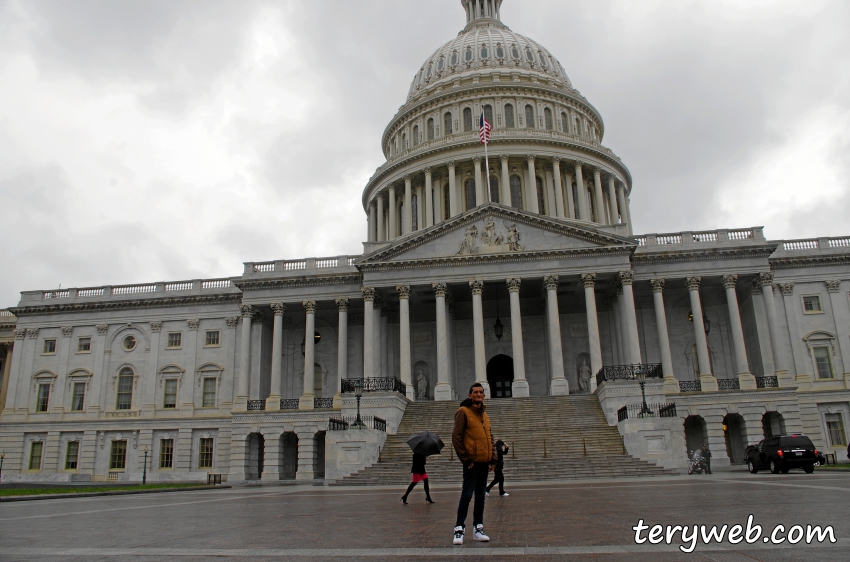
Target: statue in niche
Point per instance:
(421, 385)
(467, 246)
(584, 376)
(513, 238)
(490, 236)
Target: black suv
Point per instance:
(782, 453)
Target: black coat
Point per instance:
(501, 451)
(418, 464)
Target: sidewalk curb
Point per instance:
(112, 493)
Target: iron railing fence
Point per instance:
(667, 410)
(628, 372)
(376, 384)
(256, 405)
(690, 386)
(728, 384)
(343, 423)
(323, 403)
(767, 382)
(290, 403)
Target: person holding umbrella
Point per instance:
(423, 444)
(498, 475)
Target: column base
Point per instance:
(305, 475)
(671, 385)
(306, 402)
(410, 392)
(443, 392)
(519, 388)
(803, 380)
(273, 403)
(338, 401)
(746, 381)
(708, 383)
(785, 379)
(240, 404)
(559, 386)
(270, 476)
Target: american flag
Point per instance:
(484, 128)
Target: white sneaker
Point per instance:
(505, 495)
(479, 534)
(487, 494)
(458, 535)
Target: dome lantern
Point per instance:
(481, 10)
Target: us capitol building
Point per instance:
(525, 275)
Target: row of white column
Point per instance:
(610, 209)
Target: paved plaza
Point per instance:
(584, 520)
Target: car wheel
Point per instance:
(774, 469)
(809, 469)
(752, 468)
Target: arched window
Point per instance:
(430, 129)
(516, 192)
(509, 116)
(529, 55)
(414, 205)
(399, 219)
(404, 141)
(547, 117)
(577, 126)
(592, 207)
(488, 114)
(565, 123)
(542, 60)
(124, 399)
(500, 51)
(485, 53)
(447, 124)
(541, 197)
(415, 135)
(494, 189)
(441, 64)
(446, 202)
(515, 52)
(470, 194)
(529, 117)
(453, 60)
(467, 120)
(468, 54)
(428, 72)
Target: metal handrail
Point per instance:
(343, 423)
(690, 386)
(767, 382)
(376, 384)
(256, 405)
(628, 372)
(667, 410)
(289, 403)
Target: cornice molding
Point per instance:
(230, 298)
(283, 283)
(701, 255)
(809, 261)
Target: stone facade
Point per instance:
(532, 283)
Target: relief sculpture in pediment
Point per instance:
(491, 240)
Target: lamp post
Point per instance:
(641, 377)
(2, 456)
(498, 328)
(358, 392)
(145, 468)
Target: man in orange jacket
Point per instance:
(474, 447)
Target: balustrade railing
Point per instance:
(668, 239)
(96, 292)
(743, 234)
(628, 372)
(215, 284)
(294, 265)
(324, 263)
(138, 289)
(690, 386)
(839, 242)
(180, 286)
(704, 236)
(256, 405)
(323, 403)
(133, 289)
(62, 294)
(264, 267)
(767, 382)
(5, 313)
(376, 385)
(349, 422)
(800, 245)
(290, 403)
(728, 384)
(666, 410)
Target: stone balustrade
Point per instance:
(301, 266)
(157, 289)
(701, 238)
(816, 244)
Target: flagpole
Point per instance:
(486, 163)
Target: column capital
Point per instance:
(579, 164)
(407, 179)
(309, 306)
(9, 345)
(556, 159)
(403, 291)
(477, 160)
(503, 157)
(368, 293)
(550, 282)
(765, 278)
(787, 289)
(440, 289)
(156, 325)
(391, 189)
(247, 311)
(231, 321)
(193, 323)
(626, 277)
(32, 333)
(657, 285)
(730, 281)
(513, 284)
(67, 331)
(342, 305)
(451, 164)
(588, 279)
(597, 172)
(426, 171)
(833, 285)
(530, 157)
(278, 308)
(101, 329)
(476, 286)
(21, 333)
(693, 283)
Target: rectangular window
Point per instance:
(823, 361)
(205, 452)
(49, 346)
(35, 455)
(125, 390)
(166, 453)
(43, 398)
(835, 429)
(71, 455)
(118, 455)
(84, 345)
(213, 338)
(175, 340)
(170, 399)
(812, 304)
(79, 398)
(209, 392)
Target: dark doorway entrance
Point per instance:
(256, 453)
(500, 376)
(290, 455)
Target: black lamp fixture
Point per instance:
(498, 328)
(317, 337)
(641, 378)
(145, 468)
(358, 393)
(706, 323)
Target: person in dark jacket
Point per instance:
(418, 474)
(498, 475)
(706, 459)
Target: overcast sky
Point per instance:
(166, 140)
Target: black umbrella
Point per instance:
(425, 443)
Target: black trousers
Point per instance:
(413, 485)
(498, 478)
(474, 482)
